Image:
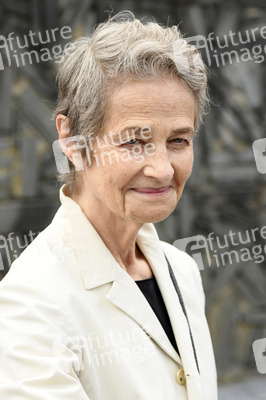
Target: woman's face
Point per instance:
(141, 180)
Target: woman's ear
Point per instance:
(70, 144)
(62, 125)
(63, 128)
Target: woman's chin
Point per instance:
(153, 216)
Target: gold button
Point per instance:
(180, 377)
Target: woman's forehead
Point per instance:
(144, 100)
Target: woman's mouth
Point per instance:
(153, 191)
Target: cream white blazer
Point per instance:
(75, 326)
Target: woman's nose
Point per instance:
(159, 165)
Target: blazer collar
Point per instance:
(97, 264)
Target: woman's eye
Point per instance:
(179, 140)
(132, 141)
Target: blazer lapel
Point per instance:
(122, 293)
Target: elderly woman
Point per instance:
(97, 307)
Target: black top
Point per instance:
(151, 291)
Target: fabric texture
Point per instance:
(75, 326)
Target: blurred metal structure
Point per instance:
(225, 192)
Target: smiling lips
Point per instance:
(153, 191)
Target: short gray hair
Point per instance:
(121, 49)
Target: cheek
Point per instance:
(115, 178)
(183, 168)
(190, 165)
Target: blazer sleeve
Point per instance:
(39, 359)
